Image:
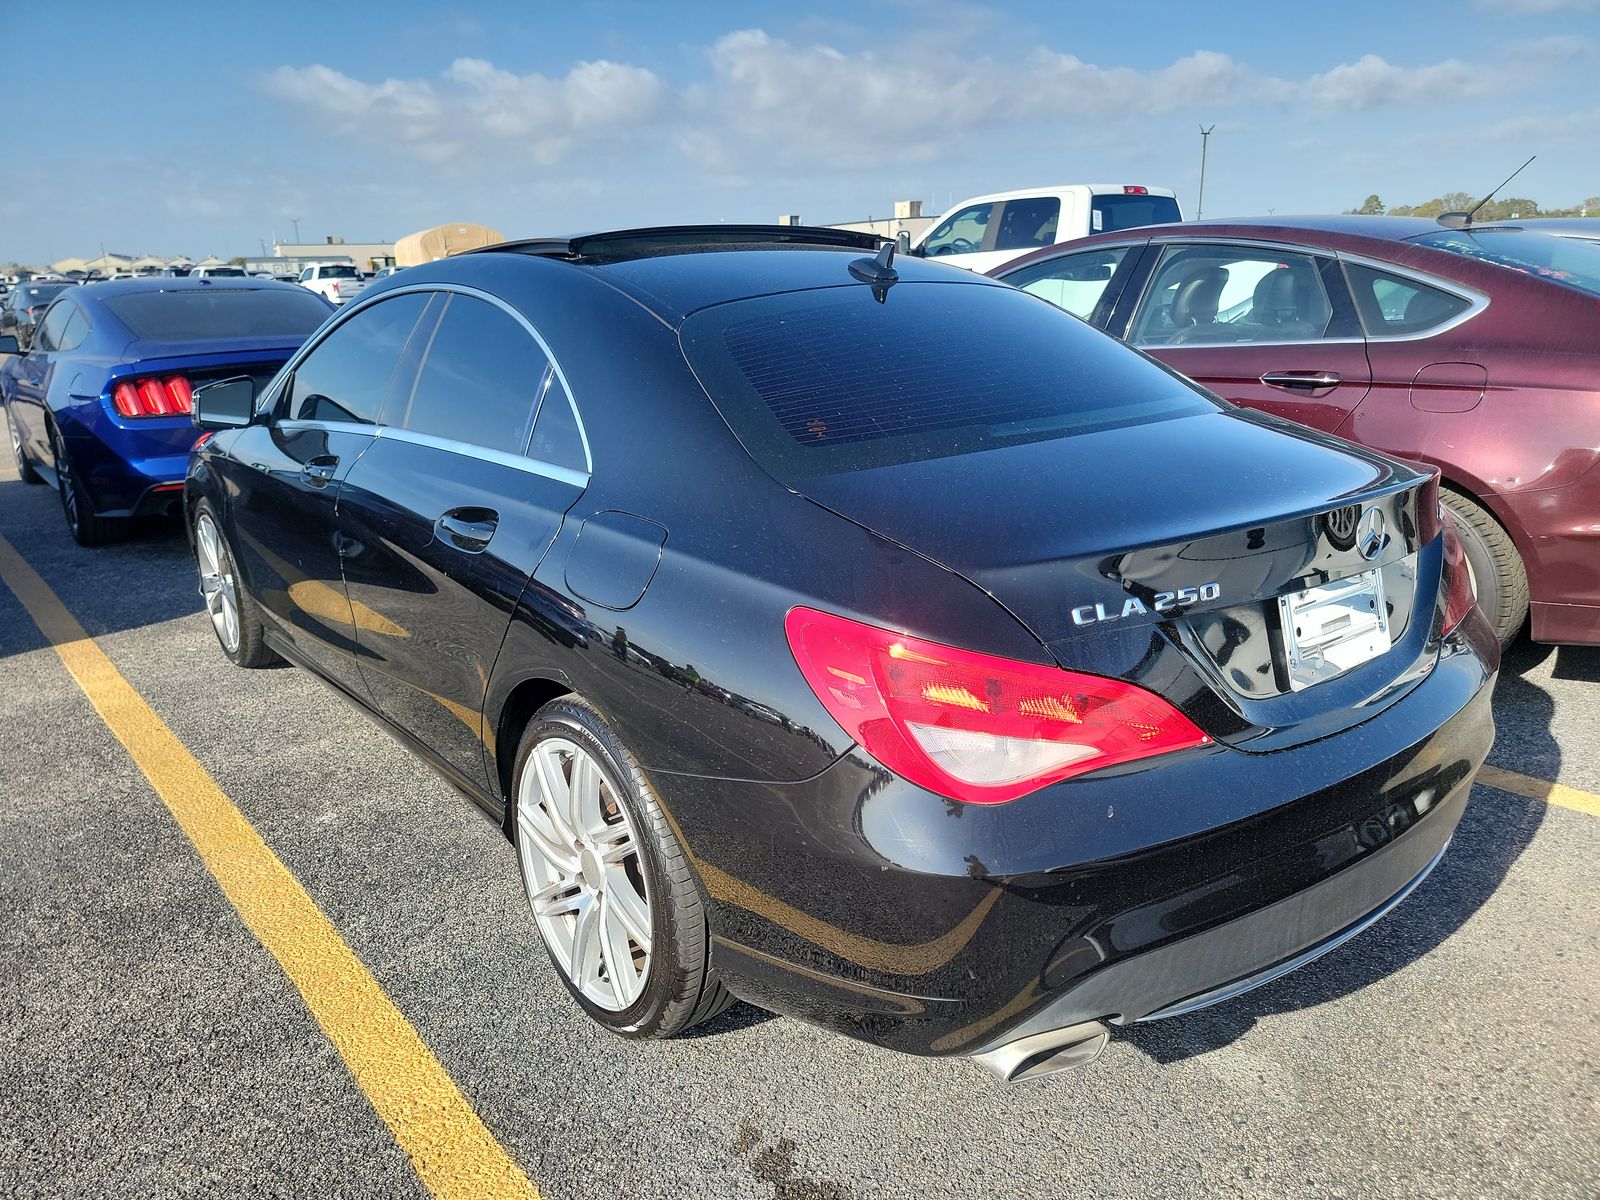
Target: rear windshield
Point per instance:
(195, 316)
(336, 272)
(823, 381)
(1570, 261)
(29, 295)
(1108, 213)
(224, 272)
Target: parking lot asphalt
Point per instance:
(151, 1045)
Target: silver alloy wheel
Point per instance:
(217, 583)
(16, 438)
(585, 880)
(69, 494)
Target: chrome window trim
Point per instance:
(1476, 300)
(346, 312)
(391, 433)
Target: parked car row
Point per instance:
(862, 637)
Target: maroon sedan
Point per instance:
(1476, 350)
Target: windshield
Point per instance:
(1569, 261)
(225, 272)
(192, 316)
(31, 295)
(1113, 212)
(336, 272)
(832, 380)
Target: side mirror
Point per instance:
(226, 404)
(902, 240)
(8, 344)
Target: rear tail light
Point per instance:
(155, 396)
(1459, 594)
(1133, 189)
(971, 726)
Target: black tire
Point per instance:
(1497, 570)
(252, 650)
(680, 990)
(88, 528)
(25, 470)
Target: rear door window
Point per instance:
(1075, 282)
(1225, 295)
(480, 379)
(1028, 224)
(346, 377)
(1392, 304)
(830, 380)
(556, 437)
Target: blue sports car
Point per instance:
(99, 402)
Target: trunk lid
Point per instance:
(1189, 530)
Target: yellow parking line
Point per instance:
(452, 1151)
(1540, 789)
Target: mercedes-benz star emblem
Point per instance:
(1370, 535)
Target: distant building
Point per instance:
(282, 264)
(907, 216)
(369, 256)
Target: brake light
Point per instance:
(1459, 594)
(971, 726)
(1133, 189)
(164, 396)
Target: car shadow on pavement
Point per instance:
(1491, 837)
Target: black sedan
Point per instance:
(870, 641)
(23, 307)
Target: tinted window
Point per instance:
(823, 381)
(35, 296)
(556, 438)
(53, 326)
(1109, 213)
(336, 272)
(203, 314)
(1028, 224)
(1223, 295)
(223, 272)
(1391, 304)
(960, 233)
(480, 379)
(76, 330)
(1569, 261)
(1074, 282)
(346, 376)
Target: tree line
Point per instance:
(1510, 209)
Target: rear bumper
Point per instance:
(1565, 624)
(946, 929)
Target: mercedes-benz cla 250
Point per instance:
(869, 640)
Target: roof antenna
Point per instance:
(878, 271)
(1460, 220)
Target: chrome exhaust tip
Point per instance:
(1041, 1054)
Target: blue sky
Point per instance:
(223, 122)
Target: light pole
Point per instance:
(1205, 138)
(295, 221)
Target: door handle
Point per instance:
(468, 529)
(1308, 381)
(320, 470)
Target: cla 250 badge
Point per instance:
(1091, 614)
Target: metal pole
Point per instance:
(295, 221)
(1200, 203)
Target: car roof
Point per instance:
(673, 271)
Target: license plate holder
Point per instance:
(1333, 628)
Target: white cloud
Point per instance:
(475, 103)
(769, 101)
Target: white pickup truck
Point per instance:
(336, 282)
(982, 233)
